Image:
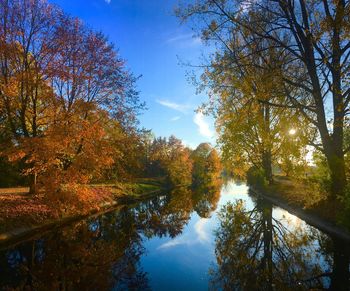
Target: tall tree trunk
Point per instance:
(336, 164)
(333, 149)
(267, 155)
(267, 165)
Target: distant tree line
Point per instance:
(180, 165)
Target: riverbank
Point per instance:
(25, 215)
(295, 198)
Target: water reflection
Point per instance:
(92, 255)
(257, 251)
(169, 240)
(205, 199)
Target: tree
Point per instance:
(169, 158)
(206, 166)
(251, 131)
(214, 167)
(199, 157)
(63, 87)
(315, 37)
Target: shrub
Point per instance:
(256, 177)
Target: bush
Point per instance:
(256, 178)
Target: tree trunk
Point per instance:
(32, 186)
(336, 164)
(267, 165)
(267, 155)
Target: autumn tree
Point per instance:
(171, 159)
(62, 85)
(206, 165)
(315, 37)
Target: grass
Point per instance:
(136, 188)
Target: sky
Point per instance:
(155, 45)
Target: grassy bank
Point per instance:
(20, 212)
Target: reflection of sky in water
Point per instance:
(182, 263)
(189, 255)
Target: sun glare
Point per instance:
(292, 131)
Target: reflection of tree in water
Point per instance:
(206, 198)
(100, 254)
(165, 215)
(88, 256)
(255, 251)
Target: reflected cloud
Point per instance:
(199, 227)
(233, 189)
(169, 244)
(200, 235)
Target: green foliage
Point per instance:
(256, 177)
(320, 174)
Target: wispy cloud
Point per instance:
(203, 125)
(108, 1)
(184, 40)
(183, 108)
(175, 118)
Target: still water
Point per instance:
(218, 239)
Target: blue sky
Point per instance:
(153, 42)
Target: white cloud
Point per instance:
(203, 125)
(183, 108)
(184, 40)
(175, 118)
(108, 1)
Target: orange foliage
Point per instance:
(62, 88)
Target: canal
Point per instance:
(218, 239)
